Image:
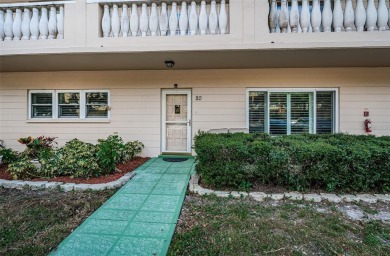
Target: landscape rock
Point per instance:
(331, 197)
(98, 186)
(276, 196)
(53, 185)
(35, 185)
(67, 187)
(238, 194)
(312, 198)
(258, 196)
(222, 193)
(350, 198)
(383, 198)
(81, 187)
(293, 195)
(368, 198)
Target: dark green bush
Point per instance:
(9, 156)
(334, 162)
(110, 152)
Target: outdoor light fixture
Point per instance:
(169, 63)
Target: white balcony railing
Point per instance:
(328, 16)
(165, 18)
(32, 21)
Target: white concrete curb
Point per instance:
(260, 196)
(35, 185)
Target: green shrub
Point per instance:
(110, 153)
(9, 156)
(22, 169)
(78, 159)
(333, 162)
(132, 149)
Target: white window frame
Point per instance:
(292, 90)
(56, 118)
(30, 104)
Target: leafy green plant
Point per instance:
(22, 169)
(78, 159)
(9, 155)
(36, 145)
(110, 152)
(132, 148)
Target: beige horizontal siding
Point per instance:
(136, 100)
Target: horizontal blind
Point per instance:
(278, 113)
(257, 107)
(96, 104)
(301, 113)
(325, 112)
(42, 105)
(69, 104)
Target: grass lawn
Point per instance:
(34, 222)
(221, 226)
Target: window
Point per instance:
(60, 104)
(42, 105)
(69, 105)
(279, 112)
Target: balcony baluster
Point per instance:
(203, 20)
(52, 25)
(2, 25)
(43, 23)
(8, 25)
(17, 25)
(153, 20)
(193, 19)
(26, 24)
(125, 22)
(134, 20)
(319, 16)
(163, 20)
(383, 15)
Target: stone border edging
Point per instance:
(36, 185)
(261, 196)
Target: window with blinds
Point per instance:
(291, 112)
(257, 106)
(325, 112)
(41, 105)
(68, 104)
(96, 104)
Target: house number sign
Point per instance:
(198, 98)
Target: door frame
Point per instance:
(164, 94)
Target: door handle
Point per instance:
(189, 122)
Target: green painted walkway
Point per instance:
(139, 219)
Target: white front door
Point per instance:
(176, 121)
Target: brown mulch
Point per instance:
(124, 168)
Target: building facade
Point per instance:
(152, 72)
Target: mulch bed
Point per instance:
(124, 168)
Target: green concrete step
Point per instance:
(139, 219)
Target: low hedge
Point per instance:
(334, 162)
